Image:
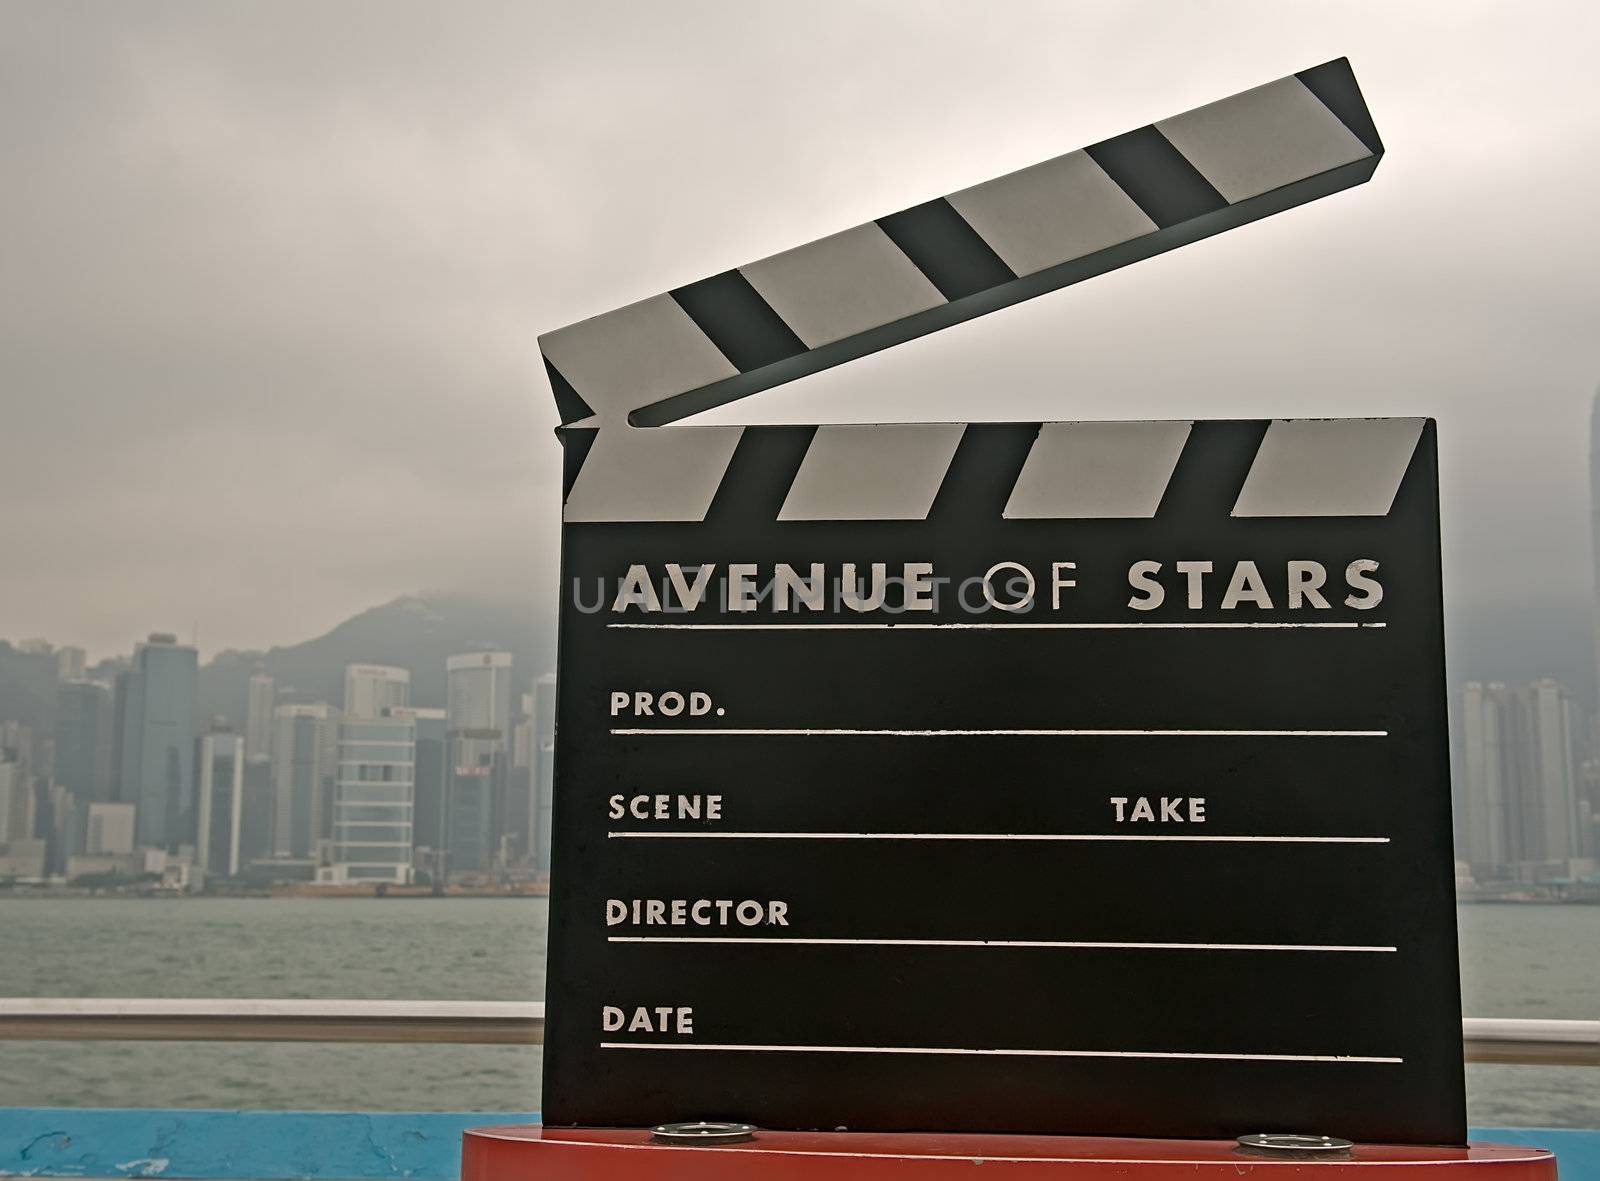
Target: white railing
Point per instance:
(1530, 1042)
(1487, 1039)
(228, 1020)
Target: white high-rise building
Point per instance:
(479, 695)
(258, 717)
(1555, 772)
(369, 689)
(374, 793)
(303, 757)
(1525, 814)
(1488, 745)
(221, 803)
(374, 797)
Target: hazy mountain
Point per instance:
(415, 632)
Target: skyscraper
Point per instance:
(156, 740)
(16, 803)
(1524, 811)
(544, 761)
(1589, 801)
(478, 716)
(521, 807)
(59, 823)
(479, 692)
(1550, 805)
(258, 716)
(255, 823)
(369, 689)
(300, 767)
(83, 740)
(221, 811)
(1594, 522)
(127, 707)
(1488, 744)
(428, 814)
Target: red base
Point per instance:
(533, 1153)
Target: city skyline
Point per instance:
(467, 782)
(124, 782)
(346, 790)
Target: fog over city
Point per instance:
(273, 273)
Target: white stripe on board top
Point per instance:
(842, 285)
(1329, 467)
(1078, 470)
(1263, 139)
(655, 475)
(1074, 470)
(1021, 216)
(1003, 944)
(1001, 1053)
(886, 472)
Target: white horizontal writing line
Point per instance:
(1069, 944)
(1014, 1053)
(707, 834)
(813, 731)
(780, 627)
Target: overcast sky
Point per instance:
(271, 274)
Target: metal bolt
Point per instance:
(702, 1131)
(1293, 1144)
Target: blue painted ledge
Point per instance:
(230, 1145)
(352, 1146)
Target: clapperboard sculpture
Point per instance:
(1069, 777)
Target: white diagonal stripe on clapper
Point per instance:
(1097, 469)
(1329, 467)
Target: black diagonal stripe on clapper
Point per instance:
(1334, 83)
(738, 321)
(941, 245)
(1157, 176)
(1205, 484)
(982, 474)
(757, 481)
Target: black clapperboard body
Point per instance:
(1069, 777)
